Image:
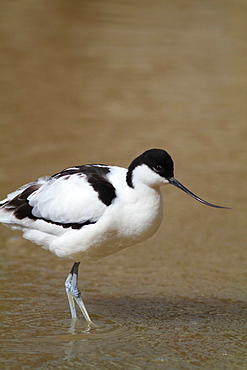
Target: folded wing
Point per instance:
(73, 198)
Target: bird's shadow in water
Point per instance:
(121, 313)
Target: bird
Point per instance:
(90, 211)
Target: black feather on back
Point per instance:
(96, 177)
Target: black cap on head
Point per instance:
(161, 162)
(156, 159)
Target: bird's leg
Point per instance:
(69, 289)
(74, 294)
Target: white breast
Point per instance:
(123, 224)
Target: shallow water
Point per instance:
(90, 82)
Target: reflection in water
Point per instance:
(151, 330)
(102, 82)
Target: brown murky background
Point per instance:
(102, 81)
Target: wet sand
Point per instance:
(90, 82)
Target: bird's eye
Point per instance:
(157, 168)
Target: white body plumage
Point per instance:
(133, 215)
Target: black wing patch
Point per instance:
(20, 205)
(73, 225)
(96, 177)
(22, 209)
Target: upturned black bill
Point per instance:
(180, 186)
